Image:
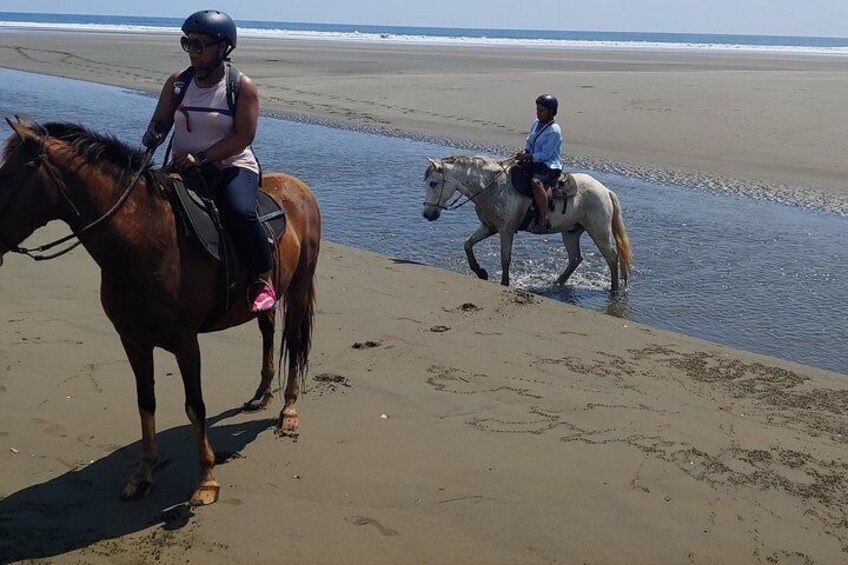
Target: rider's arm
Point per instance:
(163, 117)
(530, 136)
(244, 124)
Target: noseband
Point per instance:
(34, 165)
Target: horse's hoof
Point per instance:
(256, 404)
(289, 421)
(205, 494)
(482, 274)
(136, 490)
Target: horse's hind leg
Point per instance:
(188, 359)
(297, 334)
(482, 232)
(571, 240)
(263, 394)
(141, 361)
(606, 246)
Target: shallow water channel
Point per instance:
(756, 275)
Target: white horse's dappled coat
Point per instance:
(594, 209)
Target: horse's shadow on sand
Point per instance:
(83, 507)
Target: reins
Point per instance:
(41, 159)
(450, 206)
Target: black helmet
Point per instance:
(548, 101)
(212, 23)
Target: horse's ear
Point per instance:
(20, 128)
(435, 164)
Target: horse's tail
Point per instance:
(299, 307)
(622, 242)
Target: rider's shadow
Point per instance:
(83, 507)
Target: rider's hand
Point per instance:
(152, 138)
(185, 161)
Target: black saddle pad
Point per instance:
(203, 220)
(520, 180)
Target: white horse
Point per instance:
(502, 210)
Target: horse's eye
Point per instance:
(433, 184)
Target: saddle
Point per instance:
(192, 202)
(203, 221)
(565, 188)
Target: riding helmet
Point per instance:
(548, 101)
(212, 23)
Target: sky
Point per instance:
(827, 18)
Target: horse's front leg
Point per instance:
(482, 232)
(263, 394)
(507, 238)
(141, 360)
(188, 359)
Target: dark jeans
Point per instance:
(549, 177)
(236, 199)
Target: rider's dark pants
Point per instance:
(549, 177)
(236, 198)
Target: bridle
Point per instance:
(40, 161)
(454, 204)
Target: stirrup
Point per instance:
(265, 298)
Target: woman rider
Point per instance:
(542, 153)
(206, 131)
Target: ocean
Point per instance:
(449, 36)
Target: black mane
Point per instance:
(95, 147)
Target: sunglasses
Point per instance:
(194, 45)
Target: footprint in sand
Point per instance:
(50, 428)
(366, 521)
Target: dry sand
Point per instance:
(586, 439)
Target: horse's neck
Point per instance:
(93, 193)
(471, 179)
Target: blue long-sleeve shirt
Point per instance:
(547, 148)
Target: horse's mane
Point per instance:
(478, 161)
(95, 147)
(470, 160)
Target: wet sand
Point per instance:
(516, 429)
(763, 124)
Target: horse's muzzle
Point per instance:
(431, 213)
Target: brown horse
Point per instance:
(158, 285)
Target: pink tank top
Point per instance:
(202, 119)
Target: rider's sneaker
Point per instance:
(539, 228)
(265, 298)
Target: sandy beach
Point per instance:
(447, 420)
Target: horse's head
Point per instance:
(437, 190)
(24, 184)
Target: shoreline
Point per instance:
(425, 92)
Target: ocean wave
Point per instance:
(444, 40)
